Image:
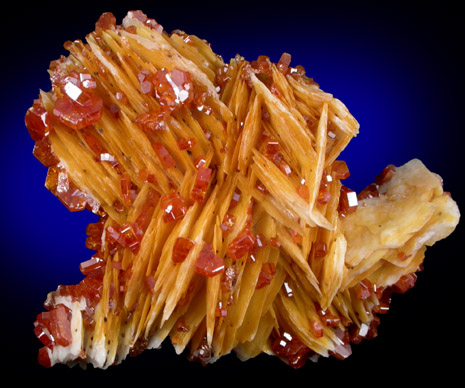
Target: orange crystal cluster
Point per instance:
(153, 144)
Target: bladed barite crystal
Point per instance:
(223, 222)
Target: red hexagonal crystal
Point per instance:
(38, 121)
(78, 116)
(241, 245)
(88, 266)
(151, 121)
(320, 249)
(266, 275)
(78, 107)
(304, 192)
(290, 348)
(340, 169)
(173, 89)
(284, 62)
(67, 192)
(386, 175)
(174, 207)
(125, 235)
(201, 184)
(181, 249)
(228, 223)
(348, 202)
(54, 327)
(44, 153)
(43, 358)
(165, 157)
(208, 264)
(106, 21)
(185, 144)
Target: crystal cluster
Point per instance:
(224, 224)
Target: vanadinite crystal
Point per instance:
(54, 327)
(266, 275)
(78, 107)
(208, 264)
(38, 121)
(163, 154)
(201, 183)
(44, 153)
(173, 89)
(241, 245)
(291, 349)
(348, 201)
(174, 207)
(66, 191)
(181, 249)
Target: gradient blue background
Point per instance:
(397, 69)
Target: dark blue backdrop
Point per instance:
(397, 69)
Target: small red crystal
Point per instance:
(208, 264)
(129, 237)
(347, 201)
(324, 195)
(173, 206)
(56, 325)
(43, 358)
(38, 121)
(241, 245)
(320, 249)
(44, 153)
(328, 318)
(303, 191)
(275, 243)
(291, 348)
(142, 221)
(79, 107)
(65, 190)
(125, 184)
(266, 275)
(386, 175)
(146, 176)
(181, 249)
(370, 191)
(186, 144)
(228, 223)
(151, 121)
(199, 162)
(106, 21)
(235, 199)
(201, 183)
(150, 283)
(405, 283)
(93, 143)
(173, 89)
(165, 157)
(284, 62)
(263, 70)
(91, 265)
(223, 75)
(296, 237)
(145, 79)
(364, 289)
(340, 169)
(317, 328)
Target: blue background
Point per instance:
(397, 69)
